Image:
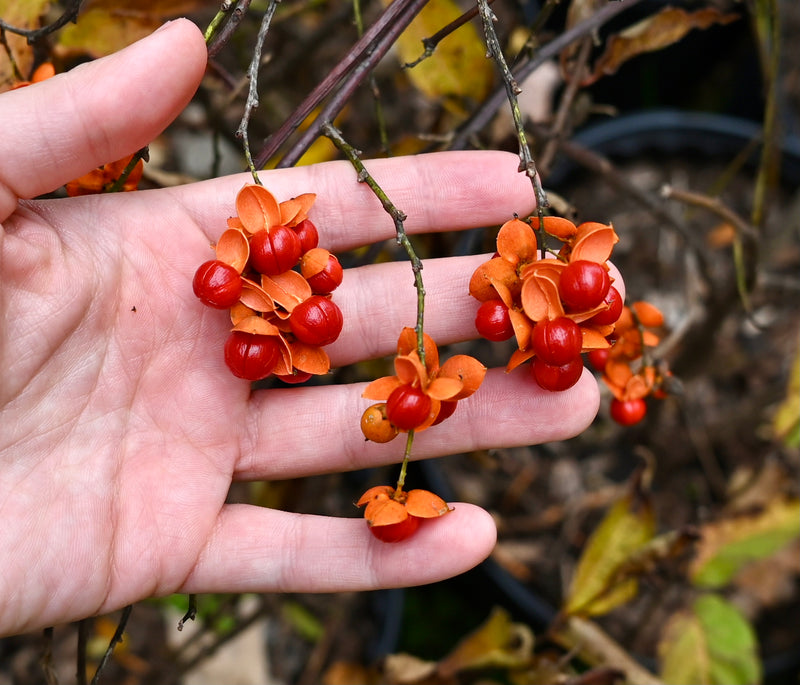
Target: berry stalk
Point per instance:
(398, 217)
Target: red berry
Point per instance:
(614, 301)
(317, 321)
(217, 284)
(598, 358)
(407, 407)
(307, 232)
(395, 532)
(493, 321)
(556, 377)
(583, 284)
(445, 411)
(322, 279)
(274, 251)
(295, 377)
(557, 341)
(251, 356)
(628, 412)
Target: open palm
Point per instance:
(122, 429)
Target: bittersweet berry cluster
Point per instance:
(557, 306)
(281, 317)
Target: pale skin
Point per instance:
(123, 430)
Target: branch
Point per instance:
(252, 93)
(232, 17)
(32, 35)
(486, 112)
(374, 45)
(526, 163)
(429, 44)
(115, 640)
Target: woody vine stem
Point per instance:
(526, 162)
(398, 217)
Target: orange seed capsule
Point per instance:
(375, 426)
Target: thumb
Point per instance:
(63, 127)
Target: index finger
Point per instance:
(440, 191)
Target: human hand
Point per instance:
(123, 430)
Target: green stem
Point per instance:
(398, 218)
(218, 19)
(401, 479)
(117, 185)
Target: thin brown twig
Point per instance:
(116, 638)
(380, 117)
(565, 105)
(538, 24)
(83, 640)
(713, 205)
(527, 165)
(328, 84)
(745, 244)
(232, 17)
(398, 218)
(430, 43)
(70, 14)
(252, 93)
(12, 61)
(770, 39)
(191, 612)
(46, 660)
(352, 81)
(180, 668)
(604, 168)
(481, 118)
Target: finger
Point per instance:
(262, 550)
(442, 191)
(98, 112)
(293, 432)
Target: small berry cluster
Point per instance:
(556, 307)
(281, 317)
(101, 179)
(393, 514)
(420, 394)
(626, 367)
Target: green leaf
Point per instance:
(711, 644)
(600, 583)
(727, 545)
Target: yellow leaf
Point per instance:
(106, 26)
(458, 66)
(597, 586)
(654, 33)
(497, 643)
(786, 422)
